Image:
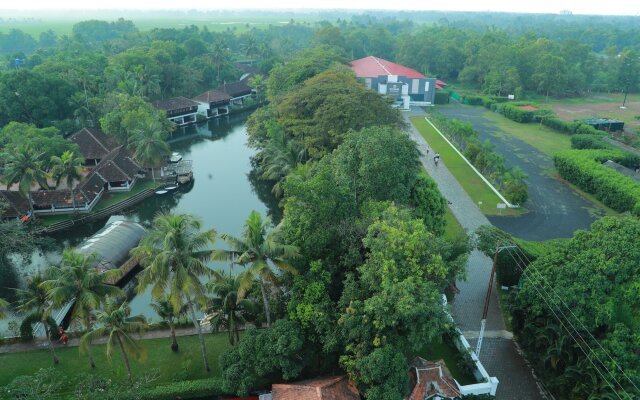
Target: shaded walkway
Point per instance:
(499, 355)
(555, 210)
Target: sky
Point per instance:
(611, 7)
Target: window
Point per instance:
(426, 86)
(415, 85)
(367, 82)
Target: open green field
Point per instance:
(475, 187)
(183, 365)
(542, 138)
(214, 23)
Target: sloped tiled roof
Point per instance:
(92, 186)
(117, 166)
(16, 204)
(175, 103)
(60, 198)
(212, 96)
(433, 378)
(329, 388)
(93, 143)
(235, 89)
(372, 67)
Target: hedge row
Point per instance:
(584, 169)
(486, 101)
(514, 112)
(195, 389)
(442, 97)
(582, 142)
(578, 128)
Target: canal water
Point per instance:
(221, 195)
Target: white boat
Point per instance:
(171, 187)
(162, 191)
(175, 157)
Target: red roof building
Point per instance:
(431, 379)
(329, 388)
(404, 85)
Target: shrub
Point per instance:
(580, 142)
(442, 97)
(584, 169)
(195, 389)
(515, 113)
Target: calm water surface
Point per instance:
(221, 195)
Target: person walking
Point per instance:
(436, 158)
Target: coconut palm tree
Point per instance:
(25, 167)
(4, 306)
(116, 323)
(165, 310)
(230, 310)
(33, 299)
(174, 255)
(149, 144)
(258, 248)
(76, 280)
(68, 167)
(219, 55)
(278, 158)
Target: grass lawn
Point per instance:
(542, 138)
(184, 365)
(112, 198)
(451, 357)
(475, 187)
(453, 228)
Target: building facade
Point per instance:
(405, 86)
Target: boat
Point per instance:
(171, 187)
(175, 157)
(162, 191)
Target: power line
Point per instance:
(540, 280)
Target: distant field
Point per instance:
(215, 24)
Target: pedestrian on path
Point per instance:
(436, 158)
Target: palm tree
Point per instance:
(230, 308)
(77, 280)
(174, 255)
(219, 55)
(69, 168)
(25, 167)
(116, 323)
(165, 310)
(33, 299)
(149, 145)
(4, 306)
(258, 248)
(278, 158)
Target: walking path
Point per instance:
(500, 355)
(41, 344)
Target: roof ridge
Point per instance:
(381, 66)
(96, 139)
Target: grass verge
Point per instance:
(451, 357)
(453, 228)
(184, 365)
(475, 187)
(542, 138)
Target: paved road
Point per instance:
(499, 355)
(555, 210)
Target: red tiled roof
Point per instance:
(433, 378)
(117, 166)
(371, 67)
(213, 96)
(329, 388)
(16, 204)
(175, 103)
(528, 107)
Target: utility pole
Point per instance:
(487, 299)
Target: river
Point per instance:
(222, 195)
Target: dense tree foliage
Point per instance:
(576, 311)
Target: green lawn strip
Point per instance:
(542, 138)
(451, 357)
(186, 364)
(453, 228)
(475, 187)
(109, 199)
(504, 309)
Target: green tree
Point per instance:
(429, 204)
(116, 323)
(230, 310)
(263, 356)
(174, 255)
(219, 56)
(4, 306)
(149, 144)
(68, 167)
(33, 300)
(165, 310)
(77, 280)
(257, 248)
(25, 167)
